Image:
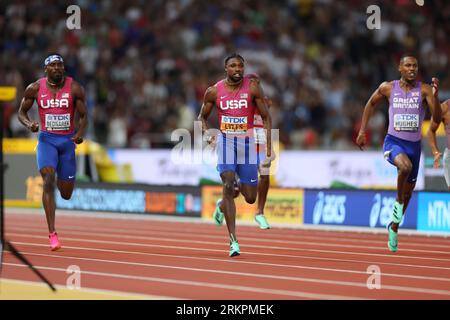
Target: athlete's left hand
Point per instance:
(435, 86)
(267, 161)
(437, 159)
(361, 139)
(77, 139)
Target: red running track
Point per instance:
(189, 260)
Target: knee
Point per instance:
(49, 182)
(65, 190)
(250, 199)
(228, 189)
(66, 195)
(405, 168)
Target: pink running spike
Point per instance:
(54, 241)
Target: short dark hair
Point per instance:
(233, 55)
(407, 55)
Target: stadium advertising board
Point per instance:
(133, 199)
(434, 211)
(23, 182)
(356, 208)
(146, 163)
(283, 206)
(319, 169)
(313, 169)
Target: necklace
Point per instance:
(407, 84)
(55, 84)
(235, 86)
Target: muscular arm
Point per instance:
(26, 104)
(209, 99)
(80, 106)
(433, 102)
(431, 135)
(258, 96)
(382, 91)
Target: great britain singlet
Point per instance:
(406, 112)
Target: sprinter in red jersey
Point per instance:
(236, 98)
(57, 97)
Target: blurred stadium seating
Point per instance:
(145, 64)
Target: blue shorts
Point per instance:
(57, 151)
(238, 154)
(393, 146)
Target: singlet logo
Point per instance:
(233, 124)
(54, 103)
(406, 103)
(57, 122)
(234, 104)
(406, 122)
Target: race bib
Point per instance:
(235, 125)
(406, 122)
(57, 122)
(260, 135)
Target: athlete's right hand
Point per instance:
(211, 140)
(268, 160)
(437, 159)
(361, 139)
(435, 86)
(33, 126)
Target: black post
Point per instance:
(5, 244)
(2, 197)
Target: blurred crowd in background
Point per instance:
(145, 65)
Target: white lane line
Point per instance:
(200, 221)
(362, 284)
(249, 253)
(405, 241)
(298, 294)
(391, 256)
(108, 232)
(266, 264)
